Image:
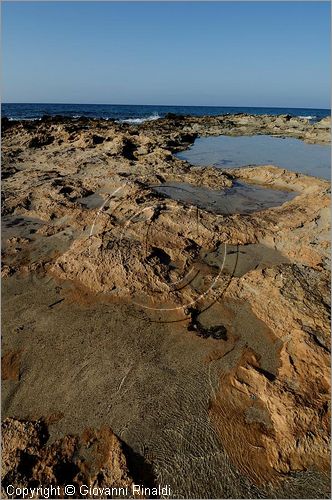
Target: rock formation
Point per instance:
(79, 207)
(95, 460)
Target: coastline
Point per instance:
(137, 114)
(177, 371)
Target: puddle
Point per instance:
(241, 198)
(91, 201)
(23, 245)
(217, 267)
(244, 258)
(240, 322)
(229, 152)
(19, 226)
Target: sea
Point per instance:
(138, 114)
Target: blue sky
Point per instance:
(215, 53)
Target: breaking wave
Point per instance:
(14, 119)
(155, 116)
(308, 117)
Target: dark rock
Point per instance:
(128, 150)
(97, 139)
(174, 116)
(6, 123)
(40, 141)
(217, 332)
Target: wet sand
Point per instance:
(152, 388)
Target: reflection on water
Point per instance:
(229, 152)
(241, 198)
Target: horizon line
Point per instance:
(168, 105)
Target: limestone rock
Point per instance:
(95, 459)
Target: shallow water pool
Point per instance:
(229, 152)
(241, 198)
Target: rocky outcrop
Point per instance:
(82, 209)
(274, 418)
(93, 460)
(243, 124)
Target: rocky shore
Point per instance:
(199, 339)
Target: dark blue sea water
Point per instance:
(138, 114)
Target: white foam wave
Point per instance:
(12, 119)
(155, 116)
(308, 117)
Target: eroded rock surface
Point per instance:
(95, 459)
(79, 208)
(280, 405)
